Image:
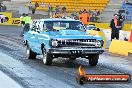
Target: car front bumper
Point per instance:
(75, 51)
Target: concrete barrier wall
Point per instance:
(120, 47)
(122, 35)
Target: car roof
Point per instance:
(59, 19)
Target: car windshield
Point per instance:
(63, 25)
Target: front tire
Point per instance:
(30, 53)
(47, 58)
(93, 60)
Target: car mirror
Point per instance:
(57, 30)
(38, 30)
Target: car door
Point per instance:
(41, 37)
(32, 38)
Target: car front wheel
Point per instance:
(47, 58)
(93, 60)
(30, 53)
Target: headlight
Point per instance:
(54, 43)
(98, 44)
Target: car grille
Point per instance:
(81, 43)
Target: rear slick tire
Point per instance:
(30, 54)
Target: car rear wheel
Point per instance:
(47, 58)
(93, 60)
(30, 53)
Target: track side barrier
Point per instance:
(7, 19)
(120, 47)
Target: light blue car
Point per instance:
(58, 37)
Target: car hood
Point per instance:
(73, 34)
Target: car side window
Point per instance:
(48, 26)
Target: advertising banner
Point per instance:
(6, 19)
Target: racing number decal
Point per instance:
(16, 22)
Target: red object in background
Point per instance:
(131, 36)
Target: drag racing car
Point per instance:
(3, 18)
(58, 37)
